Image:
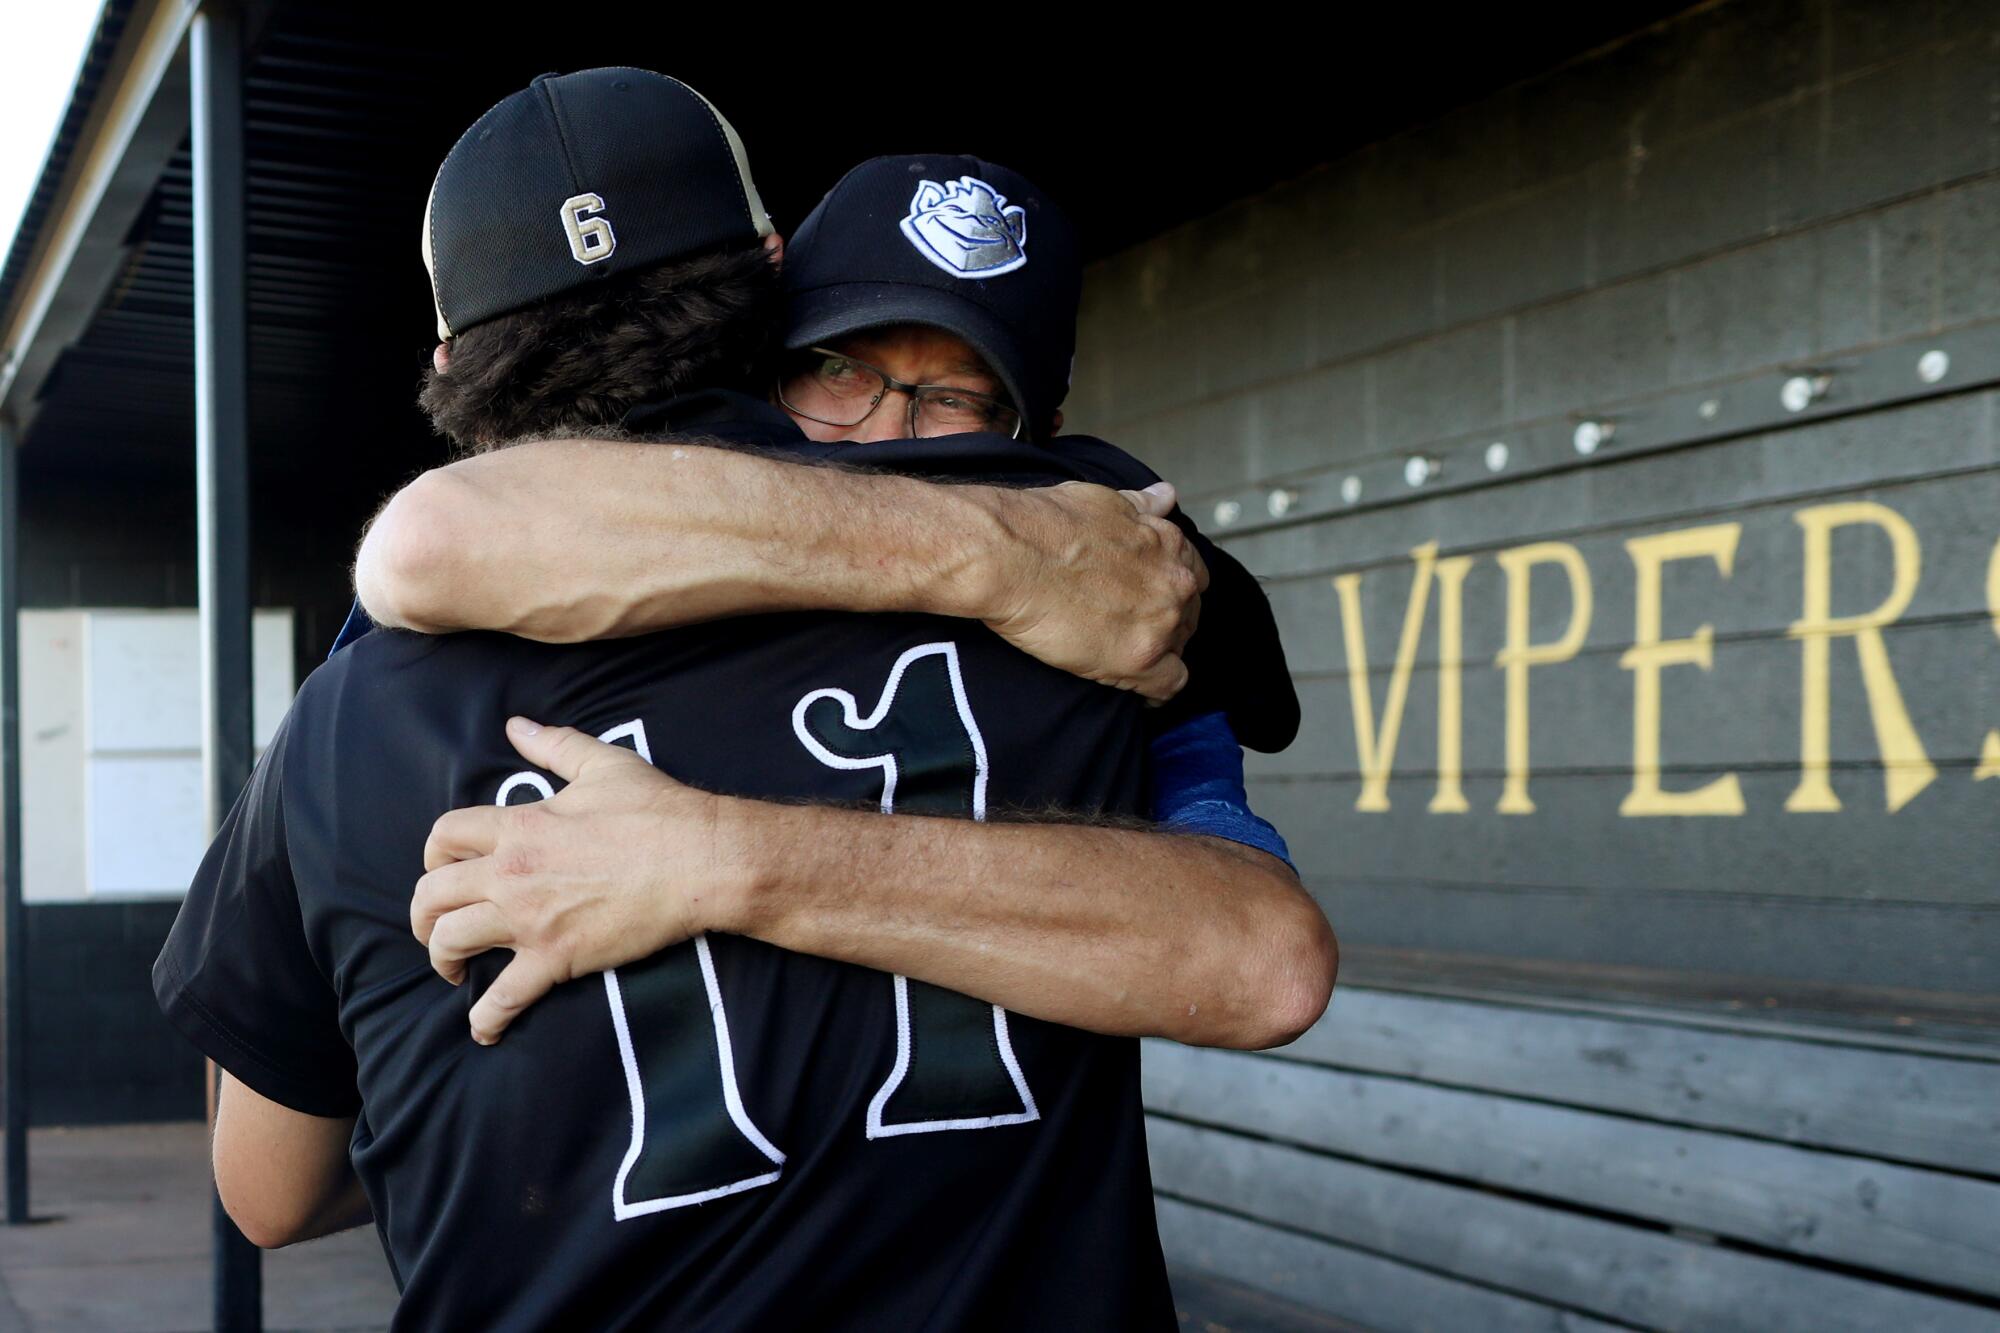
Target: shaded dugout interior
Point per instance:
(347, 111)
(1675, 1013)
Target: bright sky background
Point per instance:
(41, 45)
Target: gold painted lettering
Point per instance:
(1650, 654)
(1376, 752)
(1519, 654)
(1906, 769)
(1450, 796)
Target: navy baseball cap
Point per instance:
(577, 178)
(951, 242)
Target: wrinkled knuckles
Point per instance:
(513, 860)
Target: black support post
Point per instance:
(222, 493)
(13, 917)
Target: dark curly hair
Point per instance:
(581, 360)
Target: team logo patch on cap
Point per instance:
(967, 228)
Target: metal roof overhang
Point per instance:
(127, 113)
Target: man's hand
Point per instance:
(1101, 585)
(620, 864)
(1191, 938)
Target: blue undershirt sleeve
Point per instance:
(1197, 786)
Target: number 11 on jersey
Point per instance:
(954, 1066)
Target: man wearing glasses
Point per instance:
(823, 387)
(1200, 939)
(742, 1130)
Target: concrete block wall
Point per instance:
(1750, 191)
(1741, 187)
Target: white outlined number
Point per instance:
(924, 740)
(591, 239)
(690, 1145)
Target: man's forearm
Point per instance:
(284, 1176)
(566, 540)
(579, 539)
(1112, 930)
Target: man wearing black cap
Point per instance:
(949, 243)
(894, 271)
(729, 1134)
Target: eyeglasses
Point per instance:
(837, 390)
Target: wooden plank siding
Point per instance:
(1854, 1210)
(1586, 1155)
(1869, 893)
(1551, 1156)
(1769, 953)
(1629, 1274)
(1944, 445)
(1378, 1292)
(1921, 1110)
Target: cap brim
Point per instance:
(824, 313)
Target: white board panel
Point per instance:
(144, 670)
(51, 756)
(146, 827)
(143, 681)
(141, 824)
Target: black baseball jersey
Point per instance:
(725, 1135)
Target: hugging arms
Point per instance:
(1203, 936)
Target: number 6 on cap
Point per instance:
(590, 238)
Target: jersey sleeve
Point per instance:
(1197, 786)
(1236, 661)
(237, 977)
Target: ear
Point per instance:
(774, 249)
(929, 195)
(441, 358)
(1055, 423)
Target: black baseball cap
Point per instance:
(952, 242)
(577, 178)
